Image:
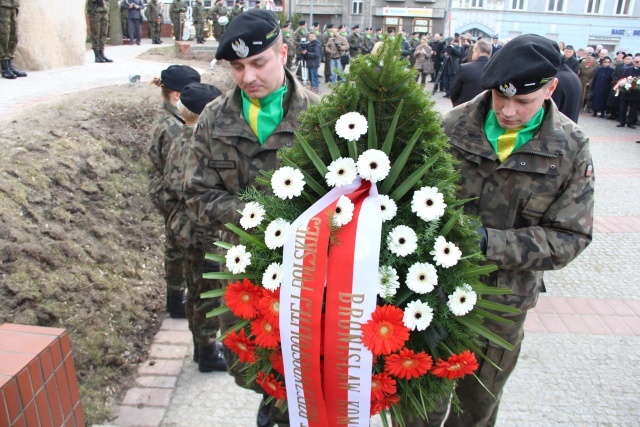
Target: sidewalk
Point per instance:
(580, 361)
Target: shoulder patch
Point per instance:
(589, 170)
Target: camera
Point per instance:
(304, 44)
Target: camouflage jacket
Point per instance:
(10, 3)
(152, 11)
(166, 128)
(198, 13)
(288, 39)
(537, 206)
(236, 11)
(177, 7)
(355, 43)
(224, 156)
(300, 34)
(91, 7)
(367, 43)
(217, 11)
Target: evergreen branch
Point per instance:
(311, 153)
(412, 180)
(372, 142)
(490, 290)
(213, 293)
(399, 164)
(481, 330)
(386, 146)
(246, 236)
(490, 305)
(218, 311)
(328, 138)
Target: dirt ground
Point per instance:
(80, 242)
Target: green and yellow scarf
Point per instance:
(264, 115)
(505, 141)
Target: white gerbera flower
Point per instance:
(402, 241)
(287, 182)
(275, 233)
(238, 259)
(373, 165)
(388, 207)
(417, 315)
(344, 212)
(252, 215)
(445, 254)
(462, 300)
(272, 277)
(342, 171)
(351, 126)
(428, 203)
(388, 281)
(422, 277)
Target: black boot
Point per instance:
(176, 301)
(15, 71)
(104, 57)
(210, 358)
(99, 57)
(6, 71)
(263, 419)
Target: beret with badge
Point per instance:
(522, 66)
(248, 34)
(196, 96)
(176, 77)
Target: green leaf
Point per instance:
(241, 324)
(328, 138)
(451, 222)
(226, 275)
(478, 270)
(412, 180)
(372, 141)
(246, 236)
(213, 293)
(307, 178)
(386, 146)
(490, 290)
(399, 164)
(215, 257)
(495, 317)
(224, 245)
(481, 330)
(218, 311)
(490, 305)
(311, 153)
(353, 150)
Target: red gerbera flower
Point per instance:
(385, 332)
(270, 305)
(378, 405)
(276, 361)
(456, 366)
(267, 334)
(382, 385)
(407, 364)
(241, 345)
(243, 298)
(272, 386)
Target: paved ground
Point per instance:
(580, 362)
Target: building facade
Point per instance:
(611, 23)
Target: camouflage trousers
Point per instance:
(479, 406)
(99, 24)
(177, 28)
(327, 65)
(8, 32)
(174, 266)
(218, 30)
(199, 30)
(154, 30)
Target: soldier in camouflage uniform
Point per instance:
(238, 8)
(414, 42)
(533, 193)
(367, 42)
(177, 13)
(226, 155)
(287, 37)
(218, 10)
(166, 128)
(154, 20)
(199, 20)
(355, 42)
(98, 11)
(124, 16)
(183, 228)
(9, 10)
(329, 33)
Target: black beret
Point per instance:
(248, 34)
(302, 22)
(356, 26)
(329, 26)
(315, 24)
(197, 95)
(522, 66)
(378, 29)
(176, 77)
(569, 47)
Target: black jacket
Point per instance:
(313, 55)
(573, 64)
(568, 94)
(635, 94)
(466, 84)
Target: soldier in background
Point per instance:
(367, 41)
(217, 11)
(330, 32)
(154, 20)
(124, 17)
(98, 11)
(379, 35)
(198, 16)
(177, 13)
(238, 8)
(414, 42)
(300, 34)
(315, 29)
(355, 42)
(288, 39)
(9, 10)
(188, 235)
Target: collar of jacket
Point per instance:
(173, 110)
(466, 123)
(295, 98)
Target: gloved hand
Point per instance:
(483, 239)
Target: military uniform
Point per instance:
(299, 35)
(327, 56)
(152, 12)
(176, 12)
(98, 11)
(367, 44)
(198, 15)
(288, 39)
(124, 16)
(217, 11)
(355, 44)
(9, 10)
(237, 10)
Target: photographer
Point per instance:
(450, 63)
(311, 52)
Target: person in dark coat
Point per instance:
(312, 55)
(572, 60)
(134, 19)
(630, 100)
(568, 94)
(600, 88)
(450, 64)
(437, 46)
(613, 101)
(466, 84)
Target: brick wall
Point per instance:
(38, 384)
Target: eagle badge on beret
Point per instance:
(507, 89)
(241, 49)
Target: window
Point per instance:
(593, 6)
(555, 6)
(622, 7)
(517, 4)
(356, 7)
(477, 3)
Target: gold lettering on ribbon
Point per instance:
(348, 412)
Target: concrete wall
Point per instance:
(51, 34)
